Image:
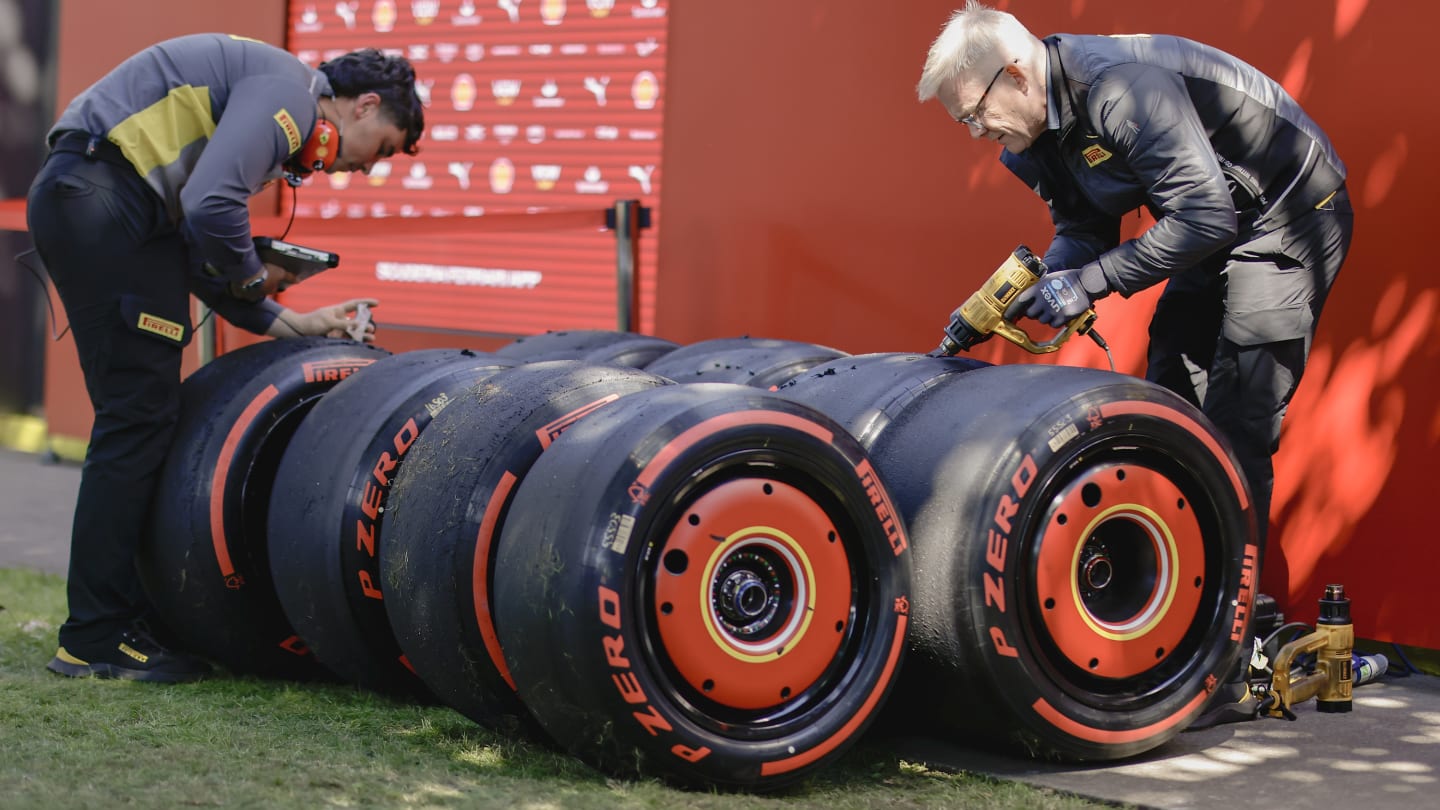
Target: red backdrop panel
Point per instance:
(810, 196)
(530, 106)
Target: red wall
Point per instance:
(809, 196)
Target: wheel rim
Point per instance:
(1120, 570)
(753, 597)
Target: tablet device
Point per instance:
(302, 261)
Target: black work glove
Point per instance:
(1060, 297)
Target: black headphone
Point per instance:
(317, 154)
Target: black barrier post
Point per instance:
(626, 219)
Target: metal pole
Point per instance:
(626, 226)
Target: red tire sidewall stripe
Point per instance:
(222, 474)
(1116, 409)
(547, 434)
(1081, 731)
(480, 574)
(699, 432)
(691, 436)
(847, 731)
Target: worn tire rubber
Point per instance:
(757, 362)
(447, 506)
(703, 583)
(1082, 540)
(328, 508)
(595, 346)
(204, 560)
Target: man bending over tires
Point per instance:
(142, 201)
(1252, 220)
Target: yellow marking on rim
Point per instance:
(758, 534)
(1169, 572)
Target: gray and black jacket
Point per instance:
(1216, 150)
(207, 120)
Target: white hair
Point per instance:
(975, 35)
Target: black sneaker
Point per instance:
(134, 656)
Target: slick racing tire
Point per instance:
(756, 362)
(447, 506)
(595, 346)
(328, 508)
(865, 393)
(1084, 548)
(204, 559)
(703, 583)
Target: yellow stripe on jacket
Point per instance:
(156, 135)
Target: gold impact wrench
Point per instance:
(983, 313)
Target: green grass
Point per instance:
(243, 742)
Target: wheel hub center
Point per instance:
(745, 596)
(747, 593)
(1097, 569)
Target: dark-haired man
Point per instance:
(142, 201)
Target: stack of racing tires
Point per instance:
(707, 563)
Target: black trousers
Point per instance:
(1233, 334)
(118, 265)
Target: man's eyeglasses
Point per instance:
(973, 119)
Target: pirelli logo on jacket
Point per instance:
(288, 126)
(1095, 155)
(161, 327)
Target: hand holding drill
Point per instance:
(1017, 288)
(1061, 296)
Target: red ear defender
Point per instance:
(320, 149)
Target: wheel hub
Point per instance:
(746, 594)
(753, 594)
(1097, 570)
(1120, 570)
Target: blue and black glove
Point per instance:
(1061, 296)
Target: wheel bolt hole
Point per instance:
(1094, 663)
(667, 608)
(1180, 503)
(1119, 475)
(769, 490)
(839, 627)
(676, 561)
(1062, 518)
(694, 520)
(785, 693)
(1049, 604)
(708, 686)
(832, 537)
(1198, 581)
(1159, 653)
(1090, 495)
